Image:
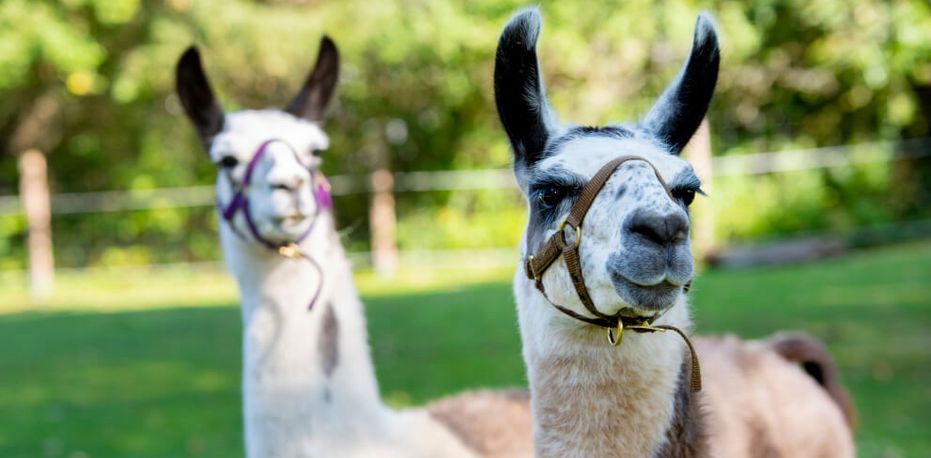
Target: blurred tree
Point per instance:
(417, 85)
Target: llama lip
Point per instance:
(292, 219)
(659, 296)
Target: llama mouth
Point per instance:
(293, 219)
(646, 298)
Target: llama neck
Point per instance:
(307, 374)
(592, 399)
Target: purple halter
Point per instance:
(240, 201)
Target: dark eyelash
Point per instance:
(569, 186)
(227, 162)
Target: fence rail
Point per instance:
(382, 185)
(734, 165)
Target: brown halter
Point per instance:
(536, 264)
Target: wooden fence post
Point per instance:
(698, 152)
(34, 196)
(382, 222)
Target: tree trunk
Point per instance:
(698, 152)
(382, 221)
(34, 195)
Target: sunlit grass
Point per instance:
(147, 287)
(129, 376)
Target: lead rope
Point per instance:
(556, 245)
(294, 251)
(616, 330)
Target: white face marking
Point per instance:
(281, 199)
(622, 270)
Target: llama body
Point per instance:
(309, 387)
(590, 398)
(760, 404)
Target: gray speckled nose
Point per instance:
(654, 259)
(653, 227)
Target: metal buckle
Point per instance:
(290, 250)
(528, 269)
(616, 334)
(562, 233)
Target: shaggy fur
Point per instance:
(761, 404)
(811, 354)
(493, 424)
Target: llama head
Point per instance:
(635, 249)
(282, 189)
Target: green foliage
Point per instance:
(416, 90)
(161, 360)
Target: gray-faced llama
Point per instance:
(309, 387)
(607, 260)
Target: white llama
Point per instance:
(628, 266)
(309, 387)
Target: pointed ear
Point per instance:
(677, 113)
(196, 96)
(312, 101)
(519, 95)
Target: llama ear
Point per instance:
(677, 113)
(312, 101)
(196, 96)
(519, 95)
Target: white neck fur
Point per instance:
(309, 386)
(590, 398)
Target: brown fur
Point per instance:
(329, 341)
(760, 404)
(814, 358)
(762, 445)
(494, 424)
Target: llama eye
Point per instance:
(228, 162)
(550, 196)
(315, 152)
(687, 196)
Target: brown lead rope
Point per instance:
(557, 244)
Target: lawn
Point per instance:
(147, 364)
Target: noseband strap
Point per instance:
(240, 202)
(535, 265)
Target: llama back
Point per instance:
(811, 354)
(762, 403)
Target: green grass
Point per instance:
(147, 364)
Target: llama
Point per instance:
(309, 387)
(629, 267)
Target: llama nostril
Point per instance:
(660, 229)
(289, 185)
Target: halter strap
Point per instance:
(535, 265)
(240, 202)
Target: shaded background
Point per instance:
(89, 83)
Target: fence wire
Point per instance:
(456, 180)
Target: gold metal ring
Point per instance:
(616, 334)
(291, 250)
(578, 232)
